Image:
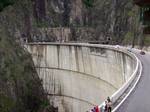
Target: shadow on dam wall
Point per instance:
(77, 77)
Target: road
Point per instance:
(139, 100)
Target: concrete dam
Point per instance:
(77, 77)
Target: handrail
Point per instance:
(119, 92)
(140, 73)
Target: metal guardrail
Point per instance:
(132, 88)
(122, 91)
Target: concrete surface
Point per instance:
(77, 77)
(139, 100)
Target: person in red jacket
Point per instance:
(97, 109)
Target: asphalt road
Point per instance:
(139, 100)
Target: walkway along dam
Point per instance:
(79, 76)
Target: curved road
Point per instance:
(139, 100)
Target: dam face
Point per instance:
(77, 77)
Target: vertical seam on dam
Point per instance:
(58, 49)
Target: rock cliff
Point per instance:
(21, 89)
(114, 21)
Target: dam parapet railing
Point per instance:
(122, 94)
(125, 86)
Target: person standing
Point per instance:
(97, 109)
(109, 105)
(106, 107)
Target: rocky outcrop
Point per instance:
(21, 89)
(108, 18)
(85, 20)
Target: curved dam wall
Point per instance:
(79, 76)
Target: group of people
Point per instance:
(106, 107)
(95, 109)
